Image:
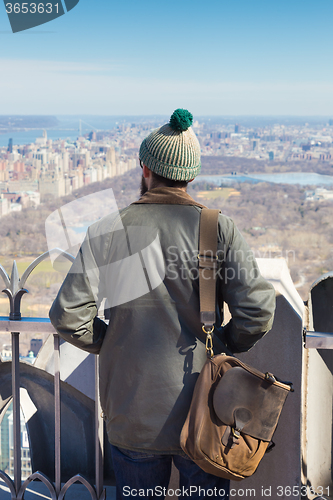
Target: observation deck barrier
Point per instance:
(299, 348)
(82, 436)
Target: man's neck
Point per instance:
(161, 185)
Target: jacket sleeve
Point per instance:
(74, 311)
(250, 298)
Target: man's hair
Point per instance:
(158, 179)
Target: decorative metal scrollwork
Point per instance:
(15, 289)
(78, 479)
(7, 480)
(15, 286)
(43, 479)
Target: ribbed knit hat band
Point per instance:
(173, 150)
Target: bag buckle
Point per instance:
(208, 261)
(209, 340)
(270, 377)
(235, 433)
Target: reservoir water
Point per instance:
(301, 178)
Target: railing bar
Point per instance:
(328, 335)
(99, 435)
(16, 409)
(26, 325)
(57, 414)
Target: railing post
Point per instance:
(57, 414)
(16, 409)
(99, 436)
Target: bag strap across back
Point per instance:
(207, 272)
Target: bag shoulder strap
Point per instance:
(207, 272)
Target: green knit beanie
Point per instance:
(173, 150)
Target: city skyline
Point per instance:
(127, 58)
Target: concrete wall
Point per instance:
(318, 430)
(280, 352)
(319, 384)
(77, 367)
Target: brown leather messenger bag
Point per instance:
(235, 408)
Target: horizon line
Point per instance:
(74, 115)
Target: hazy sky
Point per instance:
(129, 57)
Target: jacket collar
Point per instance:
(168, 196)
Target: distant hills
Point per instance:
(17, 122)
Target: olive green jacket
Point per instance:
(144, 261)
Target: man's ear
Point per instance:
(145, 172)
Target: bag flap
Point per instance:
(249, 403)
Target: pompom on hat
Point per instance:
(173, 150)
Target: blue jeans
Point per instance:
(147, 475)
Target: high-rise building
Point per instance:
(65, 158)
(51, 186)
(18, 166)
(25, 450)
(111, 156)
(4, 206)
(10, 146)
(35, 345)
(41, 141)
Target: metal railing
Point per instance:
(15, 288)
(317, 340)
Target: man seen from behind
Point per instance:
(144, 262)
